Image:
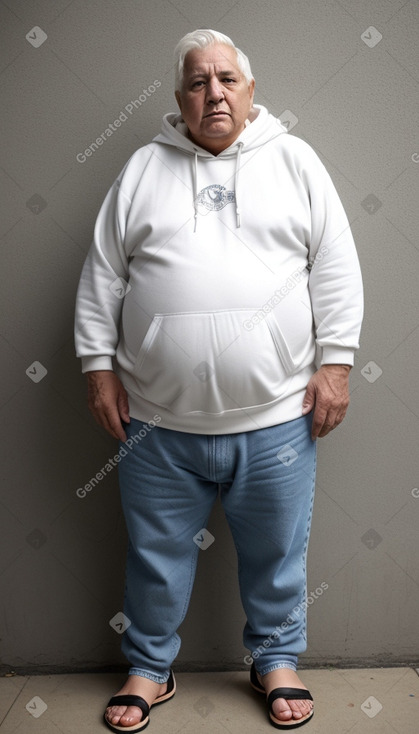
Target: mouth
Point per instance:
(217, 114)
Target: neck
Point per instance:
(215, 146)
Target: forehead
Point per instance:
(216, 55)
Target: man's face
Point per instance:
(215, 98)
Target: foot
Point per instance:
(138, 686)
(283, 709)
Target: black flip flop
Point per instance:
(290, 694)
(131, 700)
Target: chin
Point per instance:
(219, 127)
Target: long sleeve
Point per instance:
(103, 284)
(335, 279)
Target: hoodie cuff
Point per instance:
(338, 355)
(92, 364)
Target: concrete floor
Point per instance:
(384, 700)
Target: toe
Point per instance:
(114, 713)
(305, 706)
(284, 710)
(297, 708)
(124, 715)
(132, 715)
(281, 709)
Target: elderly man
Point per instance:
(224, 288)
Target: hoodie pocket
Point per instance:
(209, 362)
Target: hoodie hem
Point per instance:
(287, 409)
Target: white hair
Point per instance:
(202, 38)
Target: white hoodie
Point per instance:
(240, 276)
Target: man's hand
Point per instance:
(108, 401)
(328, 393)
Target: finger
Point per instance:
(308, 401)
(121, 433)
(108, 418)
(325, 420)
(325, 430)
(114, 425)
(100, 419)
(319, 417)
(342, 412)
(335, 417)
(331, 421)
(123, 406)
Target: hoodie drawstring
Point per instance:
(236, 183)
(195, 188)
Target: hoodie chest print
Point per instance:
(215, 197)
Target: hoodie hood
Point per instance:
(261, 128)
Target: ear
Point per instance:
(251, 92)
(178, 99)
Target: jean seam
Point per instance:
(305, 550)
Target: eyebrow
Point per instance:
(228, 72)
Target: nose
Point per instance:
(215, 93)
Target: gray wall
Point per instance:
(62, 559)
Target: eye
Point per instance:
(197, 84)
(228, 80)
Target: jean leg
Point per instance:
(269, 508)
(165, 503)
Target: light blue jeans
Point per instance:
(169, 481)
